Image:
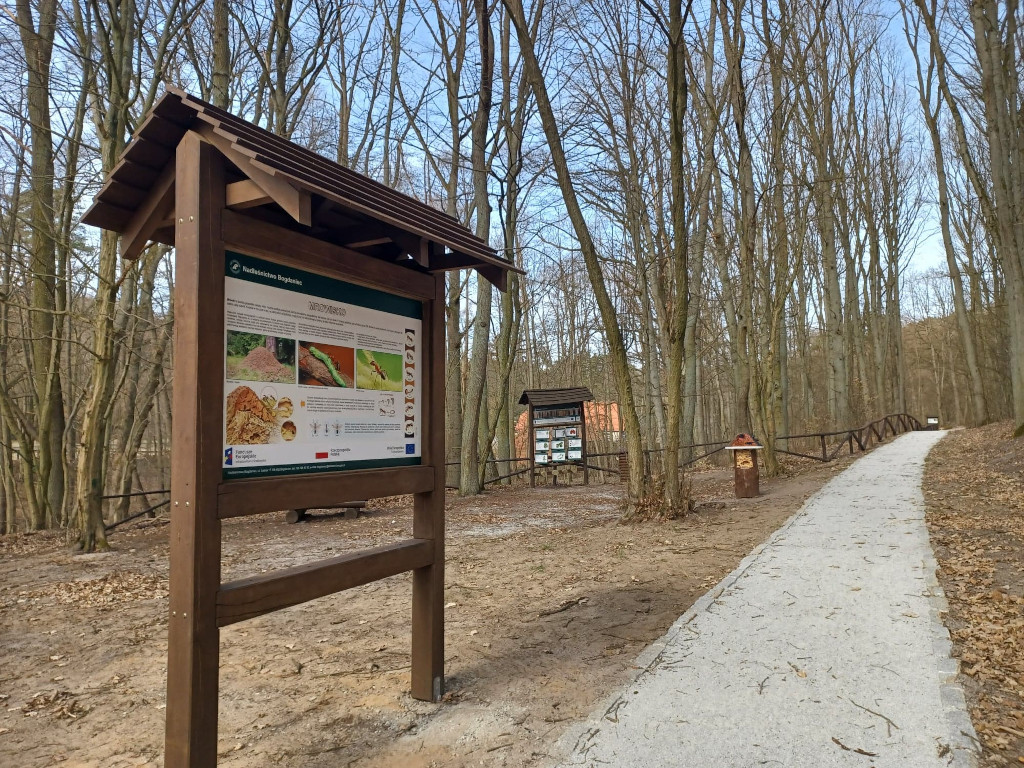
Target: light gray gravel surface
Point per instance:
(823, 648)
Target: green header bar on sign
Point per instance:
(255, 270)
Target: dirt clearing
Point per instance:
(973, 487)
(549, 600)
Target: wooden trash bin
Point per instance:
(744, 460)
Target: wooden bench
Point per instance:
(351, 511)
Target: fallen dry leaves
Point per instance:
(116, 587)
(60, 704)
(975, 500)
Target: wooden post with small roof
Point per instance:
(247, 210)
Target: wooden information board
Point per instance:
(557, 429)
(309, 311)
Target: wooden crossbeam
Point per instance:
(268, 494)
(263, 239)
(254, 596)
(495, 275)
(368, 243)
(150, 216)
(245, 194)
(296, 203)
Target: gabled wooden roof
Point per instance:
(548, 397)
(279, 180)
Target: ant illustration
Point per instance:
(337, 428)
(315, 426)
(376, 368)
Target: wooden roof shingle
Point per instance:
(344, 200)
(548, 397)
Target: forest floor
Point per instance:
(974, 489)
(549, 601)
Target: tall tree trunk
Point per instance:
(470, 476)
(931, 106)
(637, 485)
(47, 472)
(675, 489)
(92, 447)
(220, 80)
(998, 44)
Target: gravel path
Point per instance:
(824, 648)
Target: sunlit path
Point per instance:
(823, 648)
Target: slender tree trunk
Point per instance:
(92, 447)
(675, 488)
(979, 407)
(998, 44)
(221, 76)
(46, 472)
(470, 476)
(637, 485)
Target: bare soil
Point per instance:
(975, 496)
(549, 601)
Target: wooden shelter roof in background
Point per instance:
(547, 397)
(276, 180)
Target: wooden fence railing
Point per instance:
(827, 446)
(148, 511)
(858, 438)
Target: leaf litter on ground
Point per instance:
(975, 512)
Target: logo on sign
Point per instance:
(410, 448)
(235, 267)
(321, 454)
(229, 456)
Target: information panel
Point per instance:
(561, 430)
(320, 374)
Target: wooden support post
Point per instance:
(824, 449)
(583, 442)
(531, 446)
(428, 512)
(193, 640)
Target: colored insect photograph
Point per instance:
(326, 365)
(378, 370)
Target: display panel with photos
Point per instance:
(558, 435)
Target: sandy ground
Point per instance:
(83, 638)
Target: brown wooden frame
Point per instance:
(200, 603)
(206, 181)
